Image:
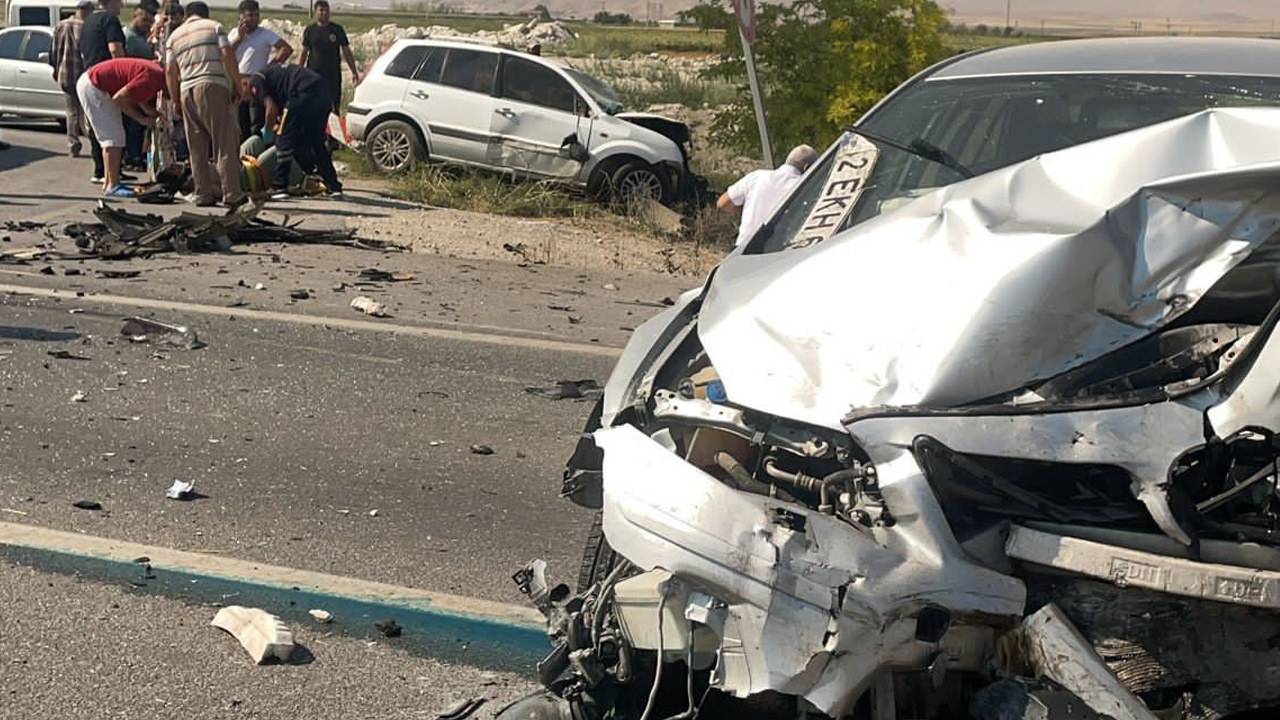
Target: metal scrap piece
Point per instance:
(139, 330)
(262, 634)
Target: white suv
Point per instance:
(515, 113)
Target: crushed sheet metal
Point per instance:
(1103, 242)
(1056, 650)
(1135, 568)
(789, 627)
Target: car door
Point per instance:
(34, 85)
(10, 54)
(537, 111)
(452, 94)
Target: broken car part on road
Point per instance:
(122, 234)
(1051, 398)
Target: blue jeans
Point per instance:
(134, 132)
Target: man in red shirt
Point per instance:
(110, 90)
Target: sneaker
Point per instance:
(280, 195)
(74, 150)
(137, 167)
(98, 179)
(335, 194)
(120, 191)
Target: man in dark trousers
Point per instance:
(322, 40)
(297, 102)
(101, 39)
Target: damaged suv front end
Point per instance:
(976, 427)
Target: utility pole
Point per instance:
(1008, 12)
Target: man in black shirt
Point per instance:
(321, 43)
(297, 102)
(101, 38)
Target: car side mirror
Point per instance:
(574, 150)
(42, 57)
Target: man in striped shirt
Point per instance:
(203, 75)
(68, 66)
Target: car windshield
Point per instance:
(600, 91)
(984, 124)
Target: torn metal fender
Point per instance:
(984, 286)
(816, 607)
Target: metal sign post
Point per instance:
(745, 10)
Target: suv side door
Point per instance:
(537, 110)
(451, 93)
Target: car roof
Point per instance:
(1148, 55)
(454, 42)
(20, 28)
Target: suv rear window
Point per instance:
(405, 63)
(470, 70)
(33, 16)
(529, 82)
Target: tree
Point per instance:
(822, 63)
(543, 14)
(707, 15)
(607, 18)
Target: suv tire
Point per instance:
(638, 180)
(394, 145)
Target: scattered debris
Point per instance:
(147, 330)
(259, 286)
(87, 504)
(22, 225)
(299, 294)
(373, 512)
(610, 286)
(389, 628)
(481, 450)
(369, 306)
(71, 271)
(321, 616)
(66, 355)
(80, 396)
(181, 490)
(14, 512)
(24, 255)
(122, 234)
(462, 709)
(379, 275)
(46, 270)
(262, 634)
(568, 390)
(118, 274)
(668, 301)
(522, 252)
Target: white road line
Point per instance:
(508, 338)
(30, 536)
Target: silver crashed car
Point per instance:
(982, 424)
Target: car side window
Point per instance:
(470, 70)
(407, 61)
(10, 44)
(527, 81)
(37, 42)
(430, 69)
(34, 16)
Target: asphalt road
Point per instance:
(84, 651)
(296, 432)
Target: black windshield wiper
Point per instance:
(919, 147)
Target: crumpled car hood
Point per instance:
(985, 286)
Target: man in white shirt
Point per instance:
(255, 48)
(758, 193)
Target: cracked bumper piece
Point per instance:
(814, 607)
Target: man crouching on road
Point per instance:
(298, 104)
(758, 193)
(110, 90)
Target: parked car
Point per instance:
(981, 424)
(27, 87)
(515, 113)
(45, 13)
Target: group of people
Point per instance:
(177, 67)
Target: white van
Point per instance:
(46, 13)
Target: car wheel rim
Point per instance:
(391, 149)
(641, 185)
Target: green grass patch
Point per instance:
(464, 189)
(609, 41)
(651, 84)
(358, 22)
